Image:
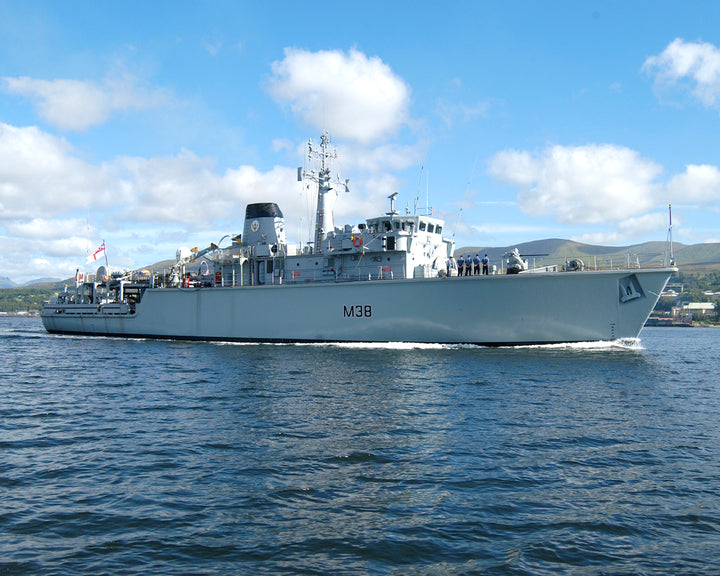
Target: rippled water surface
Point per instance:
(159, 457)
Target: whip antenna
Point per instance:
(672, 256)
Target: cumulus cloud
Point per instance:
(607, 186)
(627, 230)
(382, 158)
(77, 105)
(47, 191)
(699, 183)
(187, 189)
(353, 95)
(170, 189)
(694, 64)
(591, 184)
(45, 227)
(40, 175)
(42, 178)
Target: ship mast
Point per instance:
(324, 221)
(672, 256)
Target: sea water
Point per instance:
(163, 457)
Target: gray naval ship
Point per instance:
(390, 279)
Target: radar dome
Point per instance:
(182, 252)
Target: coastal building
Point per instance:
(693, 309)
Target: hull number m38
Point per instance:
(357, 311)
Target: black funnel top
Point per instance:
(262, 210)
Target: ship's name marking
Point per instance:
(357, 311)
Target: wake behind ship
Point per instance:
(389, 279)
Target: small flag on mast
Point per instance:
(95, 255)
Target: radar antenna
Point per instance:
(392, 212)
(324, 221)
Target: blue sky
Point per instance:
(152, 124)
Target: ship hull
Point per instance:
(486, 310)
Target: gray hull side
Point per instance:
(514, 309)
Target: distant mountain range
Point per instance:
(7, 283)
(690, 258)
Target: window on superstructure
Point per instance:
(422, 226)
(438, 230)
(431, 228)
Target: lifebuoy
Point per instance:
(357, 241)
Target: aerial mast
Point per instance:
(672, 256)
(324, 221)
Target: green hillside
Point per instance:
(696, 258)
(26, 299)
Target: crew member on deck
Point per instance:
(461, 265)
(485, 264)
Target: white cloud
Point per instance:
(699, 183)
(629, 230)
(514, 167)
(41, 176)
(186, 189)
(697, 64)
(599, 238)
(361, 101)
(580, 184)
(47, 191)
(453, 112)
(77, 105)
(608, 186)
(170, 189)
(643, 225)
(42, 228)
(213, 47)
(381, 158)
(352, 95)
(279, 144)
(493, 229)
(42, 248)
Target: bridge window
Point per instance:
(422, 226)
